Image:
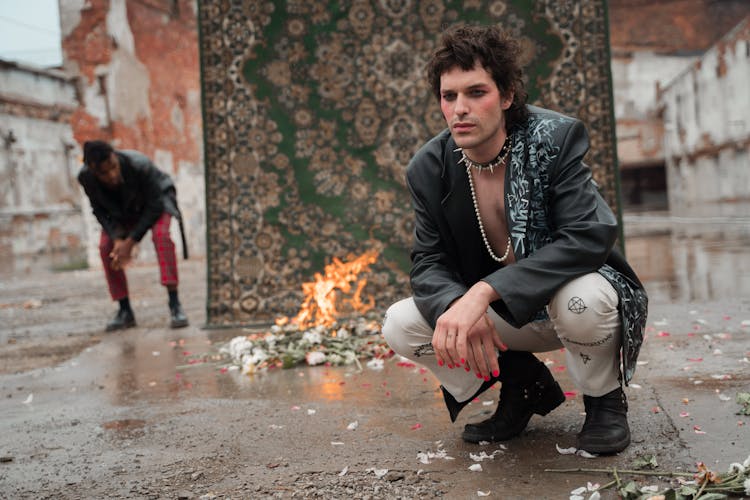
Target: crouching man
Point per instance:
(514, 254)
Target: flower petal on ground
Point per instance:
(565, 451)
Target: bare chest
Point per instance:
(489, 190)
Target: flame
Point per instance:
(319, 307)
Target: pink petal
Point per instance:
(416, 426)
(695, 360)
(663, 334)
(570, 394)
(684, 414)
(559, 369)
(406, 364)
(697, 429)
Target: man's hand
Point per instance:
(482, 340)
(451, 340)
(121, 253)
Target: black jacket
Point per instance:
(134, 206)
(560, 227)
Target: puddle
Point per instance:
(691, 257)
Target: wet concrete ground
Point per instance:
(93, 415)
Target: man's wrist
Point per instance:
(485, 291)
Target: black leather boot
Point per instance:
(605, 430)
(177, 318)
(527, 388)
(123, 319)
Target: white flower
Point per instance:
(746, 463)
(315, 358)
(746, 484)
(342, 333)
(258, 356)
(237, 347)
(375, 364)
(271, 340)
(736, 467)
(312, 337)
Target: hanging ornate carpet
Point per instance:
(312, 110)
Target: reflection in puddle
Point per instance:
(690, 258)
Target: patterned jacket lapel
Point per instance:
(518, 192)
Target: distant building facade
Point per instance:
(40, 203)
(651, 44)
(706, 113)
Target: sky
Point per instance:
(30, 32)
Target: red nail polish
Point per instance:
(463, 361)
(440, 362)
(496, 373)
(467, 368)
(450, 366)
(479, 375)
(487, 379)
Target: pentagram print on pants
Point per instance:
(576, 305)
(585, 358)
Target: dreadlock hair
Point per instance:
(96, 152)
(496, 51)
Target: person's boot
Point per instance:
(177, 317)
(122, 320)
(605, 430)
(527, 388)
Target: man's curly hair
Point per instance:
(496, 51)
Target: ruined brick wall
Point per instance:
(139, 87)
(707, 144)
(676, 26)
(40, 213)
(651, 44)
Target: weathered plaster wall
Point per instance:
(707, 142)
(651, 43)
(40, 210)
(636, 80)
(139, 83)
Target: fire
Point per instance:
(319, 307)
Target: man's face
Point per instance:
(108, 171)
(473, 108)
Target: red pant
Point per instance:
(116, 280)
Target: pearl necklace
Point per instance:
(491, 165)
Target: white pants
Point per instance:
(583, 319)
